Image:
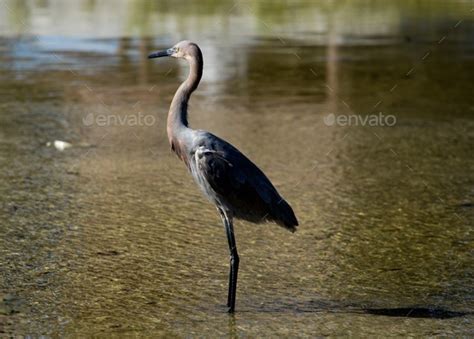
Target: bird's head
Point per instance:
(184, 49)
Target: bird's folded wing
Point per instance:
(243, 186)
(236, 178)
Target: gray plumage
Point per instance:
(231, 181)
(237, 187)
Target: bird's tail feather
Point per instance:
(284, 216)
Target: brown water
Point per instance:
(111, 235)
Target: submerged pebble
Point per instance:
(59, 145)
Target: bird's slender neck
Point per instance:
(178, 113)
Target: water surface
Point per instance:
(112, 236)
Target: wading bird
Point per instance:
(237, 187)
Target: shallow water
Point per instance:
(112, 236)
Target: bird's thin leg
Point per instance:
(234, 260)
(231, 281)
(224, 221)
(234, 264)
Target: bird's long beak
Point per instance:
(160, 54)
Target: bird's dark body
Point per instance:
(237, 187)
(230, 180)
